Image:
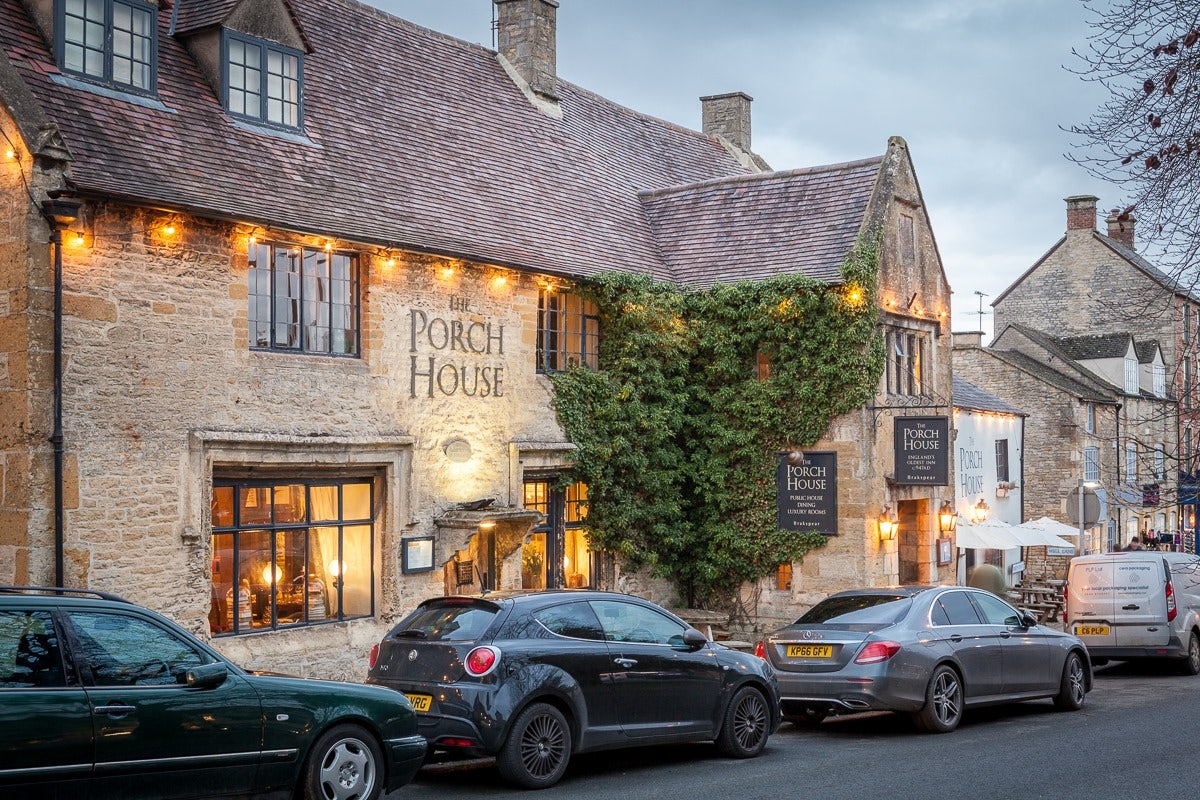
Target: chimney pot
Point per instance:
(728, 116)
(1120, 227)
(526, 38)
(1081, 212)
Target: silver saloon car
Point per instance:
(928, 651)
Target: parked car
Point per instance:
(533, 678)
(1137, 604)
(101, 698)
(929, 651)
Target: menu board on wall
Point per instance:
(923, 451)
(807, 492)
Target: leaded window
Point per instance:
(263, 80)
(291, 552)
(303, 299)
(568, 332)
(111, 41)
(1002, 459)
(908, 354)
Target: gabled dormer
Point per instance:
(252, 52)
(109, 43)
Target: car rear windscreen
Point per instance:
(858, 608)
(446, 622)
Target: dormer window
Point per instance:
(1131, 375)
(262, 81)
(111, 41)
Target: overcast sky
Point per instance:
(978, 89)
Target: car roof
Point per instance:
(907, 590)
(58, 595)
(529, 598)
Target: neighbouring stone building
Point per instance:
(1099, 415)
(1092, 283)
(283, 282)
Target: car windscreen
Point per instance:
(875, 609)
(447, 622)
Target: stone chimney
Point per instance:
(1120, 227)
(728, 116)
(525, 34)
(1081, 212)
(966, 340)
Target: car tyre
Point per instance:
(943, 702)
(1191, 662)
(746, 726)
(537, 750)
(346, 763)
(1073, 688)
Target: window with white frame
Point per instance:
(1090, 425)
(1131, 468)
(1091, 464)
(111, 41)
(1160, 462)
(1160, 380)
(1131, 376)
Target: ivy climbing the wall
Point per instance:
(677, 432)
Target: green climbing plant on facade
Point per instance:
(677, 431)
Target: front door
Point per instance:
(155, 737)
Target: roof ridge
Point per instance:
(753, 177)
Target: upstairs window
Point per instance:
(1131, 376)
(1002, 459)
(111, 41)
(568, 332)
(1091, 418)
(907, 356)
(1160, 462)
(1091, 464)
(262, 81)
(1160, 380)
(1131, 465)
(303, 300)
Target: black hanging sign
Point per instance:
(923, 451)
(807, 492)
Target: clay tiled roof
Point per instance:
(968, 395)
(752, 227)
(418, 141)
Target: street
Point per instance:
(1133, 736)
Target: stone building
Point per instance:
(1096, 283)
(1098, 416)
(283, 283)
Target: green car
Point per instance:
(100, 698)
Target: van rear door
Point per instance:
(1090, 608)
(1140, 600)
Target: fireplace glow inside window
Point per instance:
(291, 553)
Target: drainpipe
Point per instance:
(59, 213)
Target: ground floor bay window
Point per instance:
(291, 552)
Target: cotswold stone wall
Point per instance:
(161, 389)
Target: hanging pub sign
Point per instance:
(807, 492)
(923, 451)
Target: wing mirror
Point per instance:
(207, 676)
(693, 639)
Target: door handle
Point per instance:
(1130, 607)
(625, 662)
(956, 638)
(115, 710)
(1005, 635)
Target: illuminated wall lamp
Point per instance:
(947, 517)
(888, 524)
(979, 512)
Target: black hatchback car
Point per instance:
(532, 678)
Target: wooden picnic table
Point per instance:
(1043, 598)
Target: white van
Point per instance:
(1136, 604)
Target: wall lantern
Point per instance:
(888, 524)
(980, 512)
(947, 517)
(487, 524)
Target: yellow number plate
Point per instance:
(420, 702)
(810, 651)
(1091, 630)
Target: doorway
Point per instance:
(915, 542)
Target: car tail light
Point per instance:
(875, 652)
(1171, 609)
(482, 660)
(760, 650)
(373, 658)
